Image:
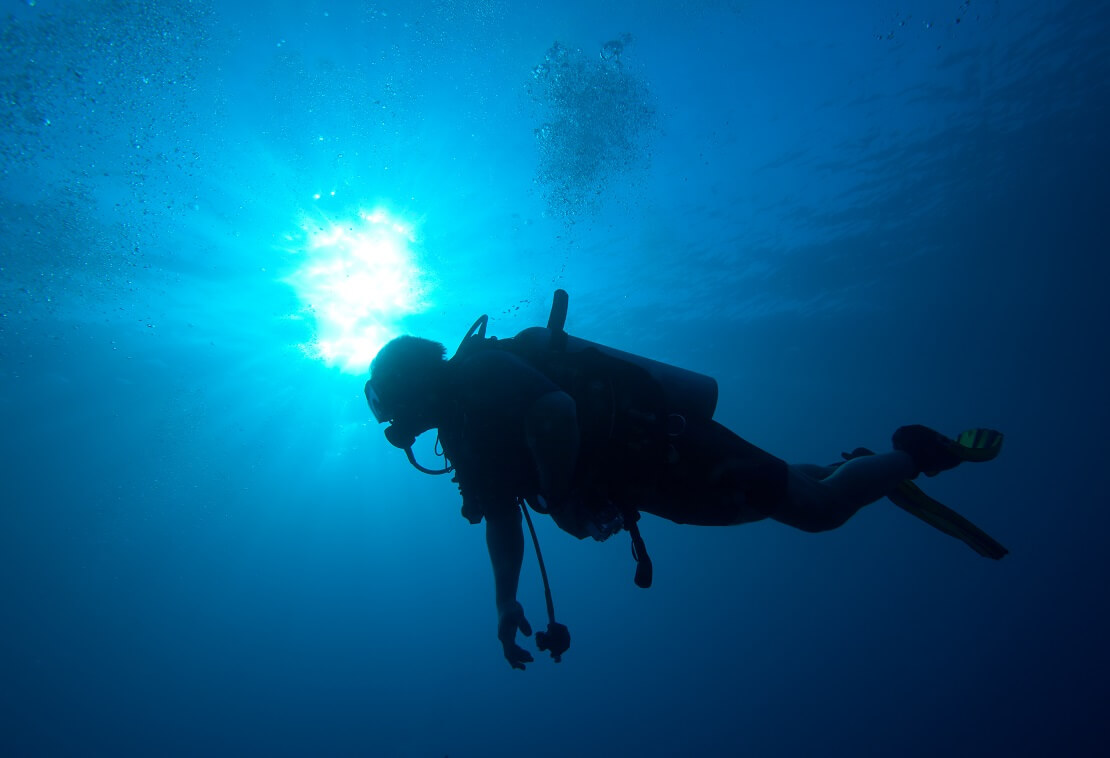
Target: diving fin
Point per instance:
(912, 499)
(978, 445)
(933, 452)
(971, 446)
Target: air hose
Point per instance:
(556, 639)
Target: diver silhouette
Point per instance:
(593, 436)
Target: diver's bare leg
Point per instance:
(816, 503)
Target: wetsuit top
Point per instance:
(484, 438)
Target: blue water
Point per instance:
(855, 215)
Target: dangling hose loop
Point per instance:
(434, 472)
(639, 552)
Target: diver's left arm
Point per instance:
(505, 541)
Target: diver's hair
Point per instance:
(405, 359)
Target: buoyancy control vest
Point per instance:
(628, 406)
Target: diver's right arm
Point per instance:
(505, 541)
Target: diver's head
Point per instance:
(406, 387)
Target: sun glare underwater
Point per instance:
(357, 279)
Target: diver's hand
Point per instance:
(509, 620)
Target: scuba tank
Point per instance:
(687, 394)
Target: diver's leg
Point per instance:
(712, 477)
(816, 504)
(815, 471)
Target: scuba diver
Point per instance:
(591, 436)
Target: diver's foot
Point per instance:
(931, 451)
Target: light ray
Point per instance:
(357, 280)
